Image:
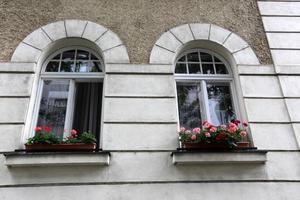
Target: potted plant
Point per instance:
(231, 136)
(45, 140)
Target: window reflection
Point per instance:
(220, 103)
(54, 105)
(189, 105)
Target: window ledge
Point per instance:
(23, 159)
(230, 157)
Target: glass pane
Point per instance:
(82, 66)
(95, 67)
(52, 66)
(193, 57)
(205, 57)
(194, 68)
(182, 59)
(67, 66)
(217, 59)
(93, 57)
(68, 55)
(208, 68)
(57, 57)
(189, 106)
(180, 68)
(220, 104)
(221, 69)
(82, 55)
(53, 105)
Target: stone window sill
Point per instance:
(224, 157)
(24, 159)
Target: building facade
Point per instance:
(130, 61)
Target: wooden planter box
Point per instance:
(60, 147)
(207, 146)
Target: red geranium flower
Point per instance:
(38, 129)
(237, 122)
(47, 129)
(220, 137)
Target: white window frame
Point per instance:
(73, 77)
(202, 79)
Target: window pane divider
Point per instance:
(196, 77)
(74, 75)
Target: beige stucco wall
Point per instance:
(139, 23)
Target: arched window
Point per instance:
(70, 92)
(205, 89)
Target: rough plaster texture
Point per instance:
(139, 23)
(154, 166)
(207, 191)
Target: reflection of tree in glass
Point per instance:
(221, 94)
(189, 108)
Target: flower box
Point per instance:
(60, 147)
(205, 146)
(214, 146)
(211, 137)
(243, 145)
(45, 140)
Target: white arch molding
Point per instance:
(31, 48)
(167, 46)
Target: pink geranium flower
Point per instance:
(193, 137)
(232, 129)
(232, 125)
(182, 129)
(213, 129)
(207, 134)
(73, 132)
(223, 126)
(196, 130)
(243, 133)
(207, 125)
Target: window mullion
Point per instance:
(70, 108)
(187, 65)
(60, 61)
(205, 100)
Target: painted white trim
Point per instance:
(235, 45)
(70, 109)
(54, 31)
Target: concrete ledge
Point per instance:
(14, 159)
(256, 69)
(17, 67)
(235, 157)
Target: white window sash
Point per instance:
(70, 109)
